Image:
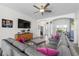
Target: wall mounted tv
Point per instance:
(24, 24)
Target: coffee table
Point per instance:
(38, 41)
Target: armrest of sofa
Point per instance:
(11, 40)
(72, 49)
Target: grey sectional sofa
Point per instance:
(11, 47)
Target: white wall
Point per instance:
(8, 13)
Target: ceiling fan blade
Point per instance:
(36, 12)
(48, 11)
(46, 5)
(36, 7)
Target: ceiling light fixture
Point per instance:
(41, 10)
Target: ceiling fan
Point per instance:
(42, 9)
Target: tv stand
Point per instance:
(27, 36)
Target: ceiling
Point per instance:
(57, 9)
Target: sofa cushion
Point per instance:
(64, 51)
(6, 48)
(19, 45)
(48, 51)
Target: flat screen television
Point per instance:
(23, 23)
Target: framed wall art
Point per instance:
(7, 23)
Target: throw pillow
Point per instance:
(22, 40)
(56, 36)
(48, 51)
